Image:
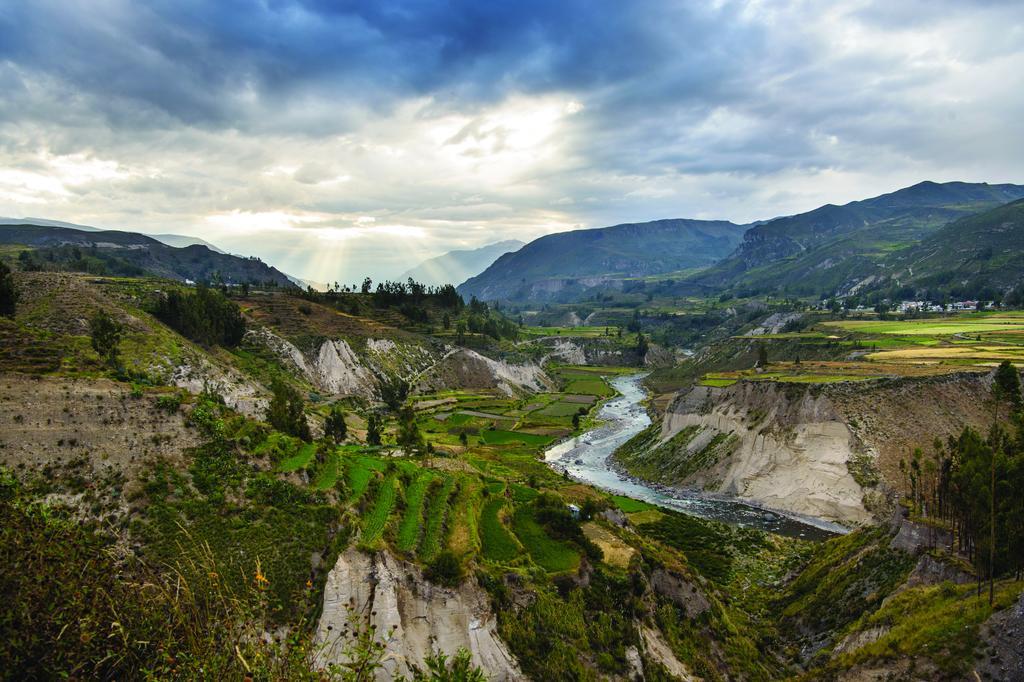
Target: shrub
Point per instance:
(445, 569)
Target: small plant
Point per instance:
(445, 570)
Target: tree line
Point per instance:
(974, 484)
(203, 315)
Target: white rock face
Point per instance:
(283, 348)
(419, 616)
(568, 352)
(790, 455)
(337, 370)
(238, 392)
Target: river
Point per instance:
(587, 458)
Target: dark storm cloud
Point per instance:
(466, 121)
(221, 63)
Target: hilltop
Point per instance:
(129, 253)
(566, 264)
(839, 249)
(458, 266)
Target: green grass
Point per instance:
(499, 437)
(329, 472)
(628, 505)
(718, 383)
(935, 326)
(377, 519)
(359, 471)
(497, 543)
(437, 511)
(522, 493)
(596, 387)
(939, 622)
(299, 460)
(560, 409)
(549, 554)
(412, 521)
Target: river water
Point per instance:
(587, 458)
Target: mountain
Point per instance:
(132, 253)
(570, 262)
(458, 266)
(182, 240)
(978, 256)
(177, 240)
(838, 249)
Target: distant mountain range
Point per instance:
(566, 263)
(457, 266)
(831, 250)
(176, 240)
(125, 251)
(840, 249)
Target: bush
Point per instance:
(445, 570)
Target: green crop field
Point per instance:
(412, 521)
(521, 493)
(560, 409)
(629, 505)
(377, 519)
(437, 511)
(499, 437)
(300, 460)
(360, 470)
(549, 554)
(934, 327)
(596, 387)
(497, 543)
(328, 474)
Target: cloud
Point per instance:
(268, 125)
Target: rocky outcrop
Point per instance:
(411, 616)
(787, 448)
(468, 369)
(335, 367)
(829, 451)
(681, 591)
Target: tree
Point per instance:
(8, 291)
(409, 436)
(373, 430)
(334, 425)
(762, 355)
(576, 421)
(286, 411)
(394, 393)
(105, 333)
(1006, 386)
(446, 321)
(463, 439)
(641, 346)
(367, 285)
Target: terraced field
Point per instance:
(478, 502)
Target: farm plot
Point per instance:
(437, 512)
(377, 519)
(498, 544)
(549, 554)
(412, 521)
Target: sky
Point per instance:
(343, 139)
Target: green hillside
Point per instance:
(114, 252)
(578, 260)
(978, 256)
(832, 249)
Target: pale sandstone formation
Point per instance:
(413, 616)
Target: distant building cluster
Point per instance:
(921, 306)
